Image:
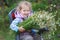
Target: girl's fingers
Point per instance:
(21, 29)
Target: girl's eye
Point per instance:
(28, 10)
(24, 10)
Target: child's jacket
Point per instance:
(17, 20)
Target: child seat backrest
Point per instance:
(11, 15)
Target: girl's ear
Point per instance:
(31, 11)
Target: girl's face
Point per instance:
(25, 11)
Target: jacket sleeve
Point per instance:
(14, 24)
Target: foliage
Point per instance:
(39, 6)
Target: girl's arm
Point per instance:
(14, 24)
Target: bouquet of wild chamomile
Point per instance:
(41, 19)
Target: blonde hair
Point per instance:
(26, 3)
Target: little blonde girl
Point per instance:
(22, 12)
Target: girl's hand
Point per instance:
(21, 29)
